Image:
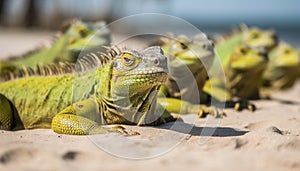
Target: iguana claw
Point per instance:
(215, 112)
(244, 104)
(122, 130)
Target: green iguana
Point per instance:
(120, 90)
(75, 37)
(243, 55)
(189, 61)
(283, 68)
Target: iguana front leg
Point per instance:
(72, 120)
(6, 114)
(183, 107)
(76, 125)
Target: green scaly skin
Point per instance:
(243, 57)
(282, 69)
(253, 37)
(122, 90)
(77, 36)
(189, 61)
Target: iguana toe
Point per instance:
(251, 107)
(244, 104)
(122, 130)
(215, 112)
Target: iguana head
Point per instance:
(245, 58)
(244, 71)
(256, 37)
(188, 61)
(197, 50)
(284, 55)
(130, 83)
(283, 66)
(82, 35)
(138, 71)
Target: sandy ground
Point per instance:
(268, 139)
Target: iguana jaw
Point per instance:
(138, 83)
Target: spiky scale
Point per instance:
(67, 47)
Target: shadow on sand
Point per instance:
(193, 130)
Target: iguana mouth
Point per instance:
(148, 74)
(149, 77)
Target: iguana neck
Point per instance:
(140, 111)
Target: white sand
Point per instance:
(267, 139)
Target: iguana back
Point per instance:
(75, 38)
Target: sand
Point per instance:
(267, 139)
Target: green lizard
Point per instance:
(243, 55)
(254, 37)
(283, 67)
(120, 90)
(189, 60)
(74, 37)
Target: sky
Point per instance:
(285, 13)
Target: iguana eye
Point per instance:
(243, 50)
(183, 45)
(128, 59)
(182, 42)
(83, 32)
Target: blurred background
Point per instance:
(209, 16)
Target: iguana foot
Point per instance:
(244, 104)
(210, 110)
(122, 130)
(77, 125)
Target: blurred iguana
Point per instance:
(194, 58)
(75, 37)
(188, 63)
(243, 55)
(283, 62)
(120, 90)
(283, 68)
